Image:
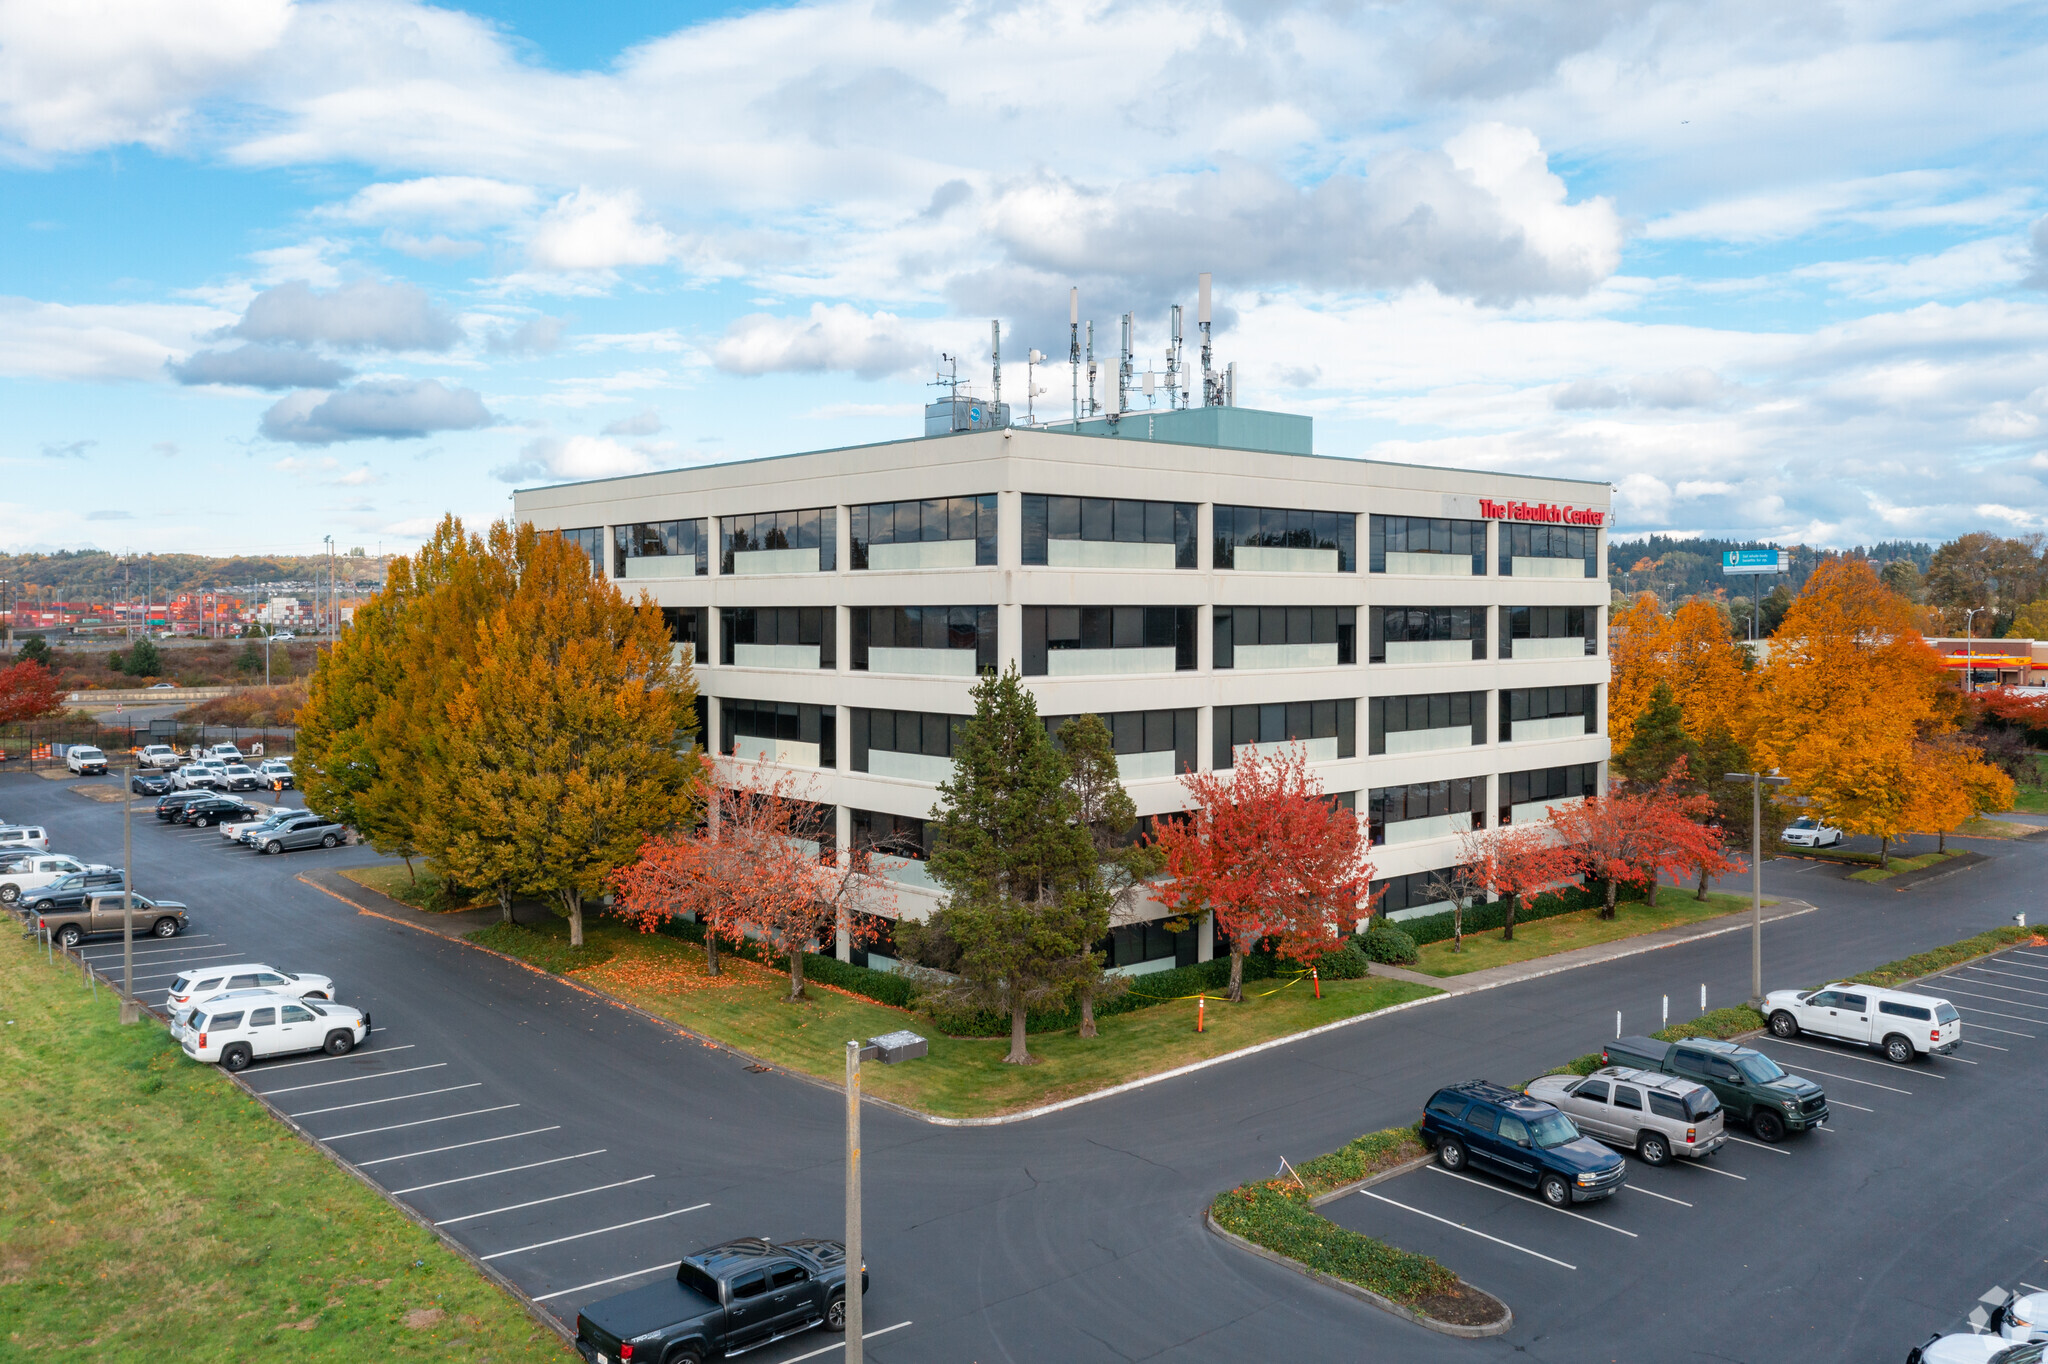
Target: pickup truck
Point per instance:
(102, 913)
(1750, 1085)
(728, 1299)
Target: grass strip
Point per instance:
(155, 1210)
(1674, 905)
(1901, 865)
(423, 890)
(1920, 964)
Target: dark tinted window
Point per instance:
(220, 1022)
(247, 982)
(1427, 535)
(1550, 542)
(1628, 1097)
(1482, 1118)
(1717, 1069)
(696, 1280)
(750, 1285)
(263, 1018)
(1447, 1105)
(1701, 1104)
(1104, 519)
(1896, 1010)
(782, 1276)
(1666, 1106)
(1857, 1002)
(1595, 1090)
(1512, 1129)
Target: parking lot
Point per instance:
(1919, 1203)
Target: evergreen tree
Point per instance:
(1122, 864)
(1657, 741)
(35, 649)
(1024, 900)
(144, 659)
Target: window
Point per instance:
(1050, 630)
(968, 629)
(1277, 528)
(1551, 543)
(589, 539)
(1690, 1061)
(1074, 521)
(294, 1014)
(1594, 1091)
(1426, 800)
(1129, 944)
(1416, 890)
(1756, 1068)
(751, 1285)
(789, 535)
(782, 1276)
(219, 1022)
(1447, 1106)
(968, 520)
(1411, 724)
(778, 731)
(1407, 536)
(1824, 999)
(271, 978)
(1512, 1129)
(1628, 1097)
(657, 540)
(1566, 630)
(697, 1281)
(1701, 1104)
(689, 625)
(1482, 1118)
(892, 835)
(777, 636)
(1667, 1106)
(247, 982)
(1328, 729)
(1855, 1002)
(900, 731)
(1148, 743)
(1715, 1068)
(1897, 1010)
(263, 1018)
(1543, 785)
(1425, 634)
(1285, 636)
(1573, 710)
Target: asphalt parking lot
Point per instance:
(1920, 1200)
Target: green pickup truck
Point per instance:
(1750, 1085)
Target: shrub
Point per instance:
(1348, 963)
(1428, 928)
(1721, 1023)
(1927, 963)
(1383, 942)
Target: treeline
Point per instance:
(96, 575)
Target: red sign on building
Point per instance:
(1552, 512)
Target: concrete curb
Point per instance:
(1956, 865)
(1366, 1295)
(1408, 1166)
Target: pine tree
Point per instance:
(1657, 741)
(144, 659)
(35, 649)
(1122, 864)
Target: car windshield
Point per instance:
(1760, 1068)
(314, 1007)
(1701, 1104)
(1554, 1129)
(2020, 1354)
(1803, 822)
(696, 1280)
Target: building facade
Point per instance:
(1433, 637)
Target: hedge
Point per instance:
(1429, 928)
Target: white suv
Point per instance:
(253, 1025)
(1901, 1025)
(24, 838)
(197, 987)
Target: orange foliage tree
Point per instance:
(1636, 837)
(1515, 863)
(1689, 650)
(28, 690)
(1263, 851)
(1954, 784)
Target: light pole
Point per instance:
(131, 1012)
(1970, 646)
(1757, 781)
(854, 1052)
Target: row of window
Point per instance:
(1054, 528)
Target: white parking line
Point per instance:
(616, 1278)
(1969, 1042)
(422, 1122)
(1471, 1231)
(351, 1079)
(323, 1060)
(1774, 1150)
(534, 1203)
(143, 946)
(158, 975)
(581, 1235)
(508, 1170)
(1637, 1188)
(189, 939)
(1850, 1079)
(460, 1145)
(396, 1098)
(1844, 1103)
(205, 954)
(1972, 1009)
(2035, 1287)
(1591, 1221)
(1998, 999)
(828, 1349)
(1840, 1056)
(1707, 1169)
(2016, 989)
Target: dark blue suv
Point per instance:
(1505, 1132)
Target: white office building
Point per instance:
(1195, 576)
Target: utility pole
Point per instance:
(1970, 647)
(131, 1012)
(854, 1353)
(333, 607)
(1757, 781)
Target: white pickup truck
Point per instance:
(21, 872)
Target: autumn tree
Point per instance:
(1122, 863)
(1269, 856)
(28, 691)
(2030, 621)
(1636, 836)
(1953, 784)
(1024, 898)
(1635, 664)
(1515, 863)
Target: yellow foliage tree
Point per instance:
(1636, 665)
(1954, 785)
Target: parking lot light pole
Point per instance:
(130, 1011)
(1757, 781)
(854, 1052)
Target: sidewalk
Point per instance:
(1557, 962)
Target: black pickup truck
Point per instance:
(1750, 1085)
(723, 1301)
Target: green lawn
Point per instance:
(1901, 865)
(423, 890)
(154, 1211)
(962, 1077)
(1674, 905)
(2032, 797)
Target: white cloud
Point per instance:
(259, 366)
(646, 422)
(388, 409)
(453, 203)
(830, 337)
(98, 341)
(362, 315)
(593, 230)
(534, 336)
(573, 457)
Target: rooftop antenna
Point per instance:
(1074, 345)
(995, 351)
(949, 381)
(1174, 397)
(1093, 406)
(1210, 394)
(1032, 360)
(1123, 368)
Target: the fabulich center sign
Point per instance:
(1552, 512)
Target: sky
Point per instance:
(278, 270)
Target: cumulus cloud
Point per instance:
(388, 409)
(834, 336)
(646, 422)
(97, 341)
(361, 315)
(260, 366)
(573, 457)
(454, 203)
(1696, 386)
(2037, 278)
(593, 230)
(535, 336)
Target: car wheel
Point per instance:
(235, 1058)
(329, 841)
(1784, 1024)
(687, 1355)
(273, 846)
(206, 821)
(835, 1313)
(166, 927)
(339, 1043)
(1653, 1149)
(1898, 1050)
(69, 935)
(9, 894)
(1451, 1152)
(1555, 1191)
(1767, 1125)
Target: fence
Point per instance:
(34, 747)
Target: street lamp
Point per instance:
(1970, 646)
(891, 1048)
(1757, 781)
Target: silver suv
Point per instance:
(1657, 1116)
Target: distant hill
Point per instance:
(1675, 569)
(80, 575)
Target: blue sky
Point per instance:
(272, 270)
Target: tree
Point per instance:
(1636, 663)
(1269, 856)
(1122, 863)
(1903, 577)
(1513, 863)
(35, 649)
(144, 659)
(1023, 896)
(1636, 837)
(28, 691)
(1953, 785)
(1979, 570)
(250, 660)
(2031, 620)
(1456, 886)
(1657, 742)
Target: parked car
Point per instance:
(163, 686)
(224, 754)
(1899, 1023)
(1964, 1348)
(160, 756)
(284, 637)
(30, 872)
(196, 776)
(238, 777)
(69, 891)
(1505, 1132)
(307, 831)
(728, 1299)
(2021, 1317)
(147, 782)
(86, 760)
(253, 1026)
(1808, 832)
(212, 810)
(1656, 1116)
(24, 838)
(277, 774)
(237, 831)
(168, 804)
(198, 987)
(102, 914)
(1752, 1087)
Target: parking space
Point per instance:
(1929, 1146)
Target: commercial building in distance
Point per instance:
(1195, 576)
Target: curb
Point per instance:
(1408, 1166)
(1366, 1295)
(1961, 862)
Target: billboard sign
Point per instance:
(1756, 561)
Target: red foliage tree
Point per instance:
(1269, 856)
(27, 690)
(2022, 710)
(1514, 863)
(1636, 837)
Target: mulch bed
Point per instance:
(1462, 1306)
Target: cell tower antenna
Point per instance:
(1174, 397)
(1093, 406)
(1210, 396)
(1074, 345)
(1123, 368)
(1032, 360)
(950, 381)
(995, 352)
